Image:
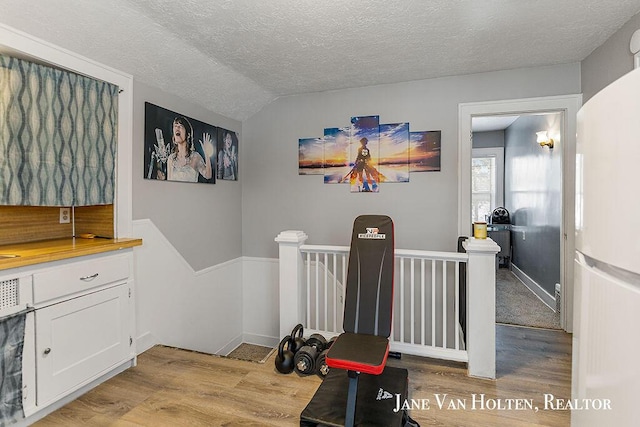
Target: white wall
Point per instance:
(276, 198)
(260, 304)
(181, 307)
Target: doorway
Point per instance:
(567, 107)
(516, 188)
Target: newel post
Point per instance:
(481, 306)
(291, 268)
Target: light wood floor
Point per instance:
(172, 387)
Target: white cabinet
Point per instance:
(79, 276)
(80, 339)
(81, 329)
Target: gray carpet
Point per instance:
(251, 353)
(517, 305)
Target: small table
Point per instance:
(501, 234)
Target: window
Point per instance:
(487, 182)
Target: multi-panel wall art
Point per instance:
(180, 148)
(367, 153)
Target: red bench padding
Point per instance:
(359, 352)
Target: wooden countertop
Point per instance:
(59, 249)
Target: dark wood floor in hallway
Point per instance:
(172, 387)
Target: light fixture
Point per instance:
(543, 139)
(634, 46)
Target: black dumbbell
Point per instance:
(305, 358)
(297, 339)
(317, 341)
(284, 358)
(322, 369)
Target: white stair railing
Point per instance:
(427, 303)
(426, 320)
(324, 276)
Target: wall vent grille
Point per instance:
(8, 293)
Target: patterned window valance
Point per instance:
(58, 135)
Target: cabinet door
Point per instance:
(80, 339)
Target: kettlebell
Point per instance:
(297, 342)
(284, 358)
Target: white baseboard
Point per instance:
(534, 287)
(32, 417)
(260, 340)
(145, 341)
(230, 346)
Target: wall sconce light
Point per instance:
(543, 139)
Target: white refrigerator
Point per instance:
(606, 340)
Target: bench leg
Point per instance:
(351, 398)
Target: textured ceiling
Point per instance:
(235, 56)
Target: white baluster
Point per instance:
(444, 304)
(433, 302)
(412, 300)
(402, 300)
(423, 302)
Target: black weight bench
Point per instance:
(360, 389)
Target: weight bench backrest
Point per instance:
(369, 291)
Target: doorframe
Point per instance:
(568, 105)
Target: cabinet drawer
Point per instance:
(78, 277)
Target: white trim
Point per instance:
(13, 40)
(148, 223)
(230, 346)
(262, 340)
(145, 341)
(569, 106)
(260, 259)
(32, 417)
(534, 287)
(215, 267)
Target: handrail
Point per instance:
(406, 253)
(429, 329)
(444, 256)
(324, 248)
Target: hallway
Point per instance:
(517, 305)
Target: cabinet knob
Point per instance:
(47, 350)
